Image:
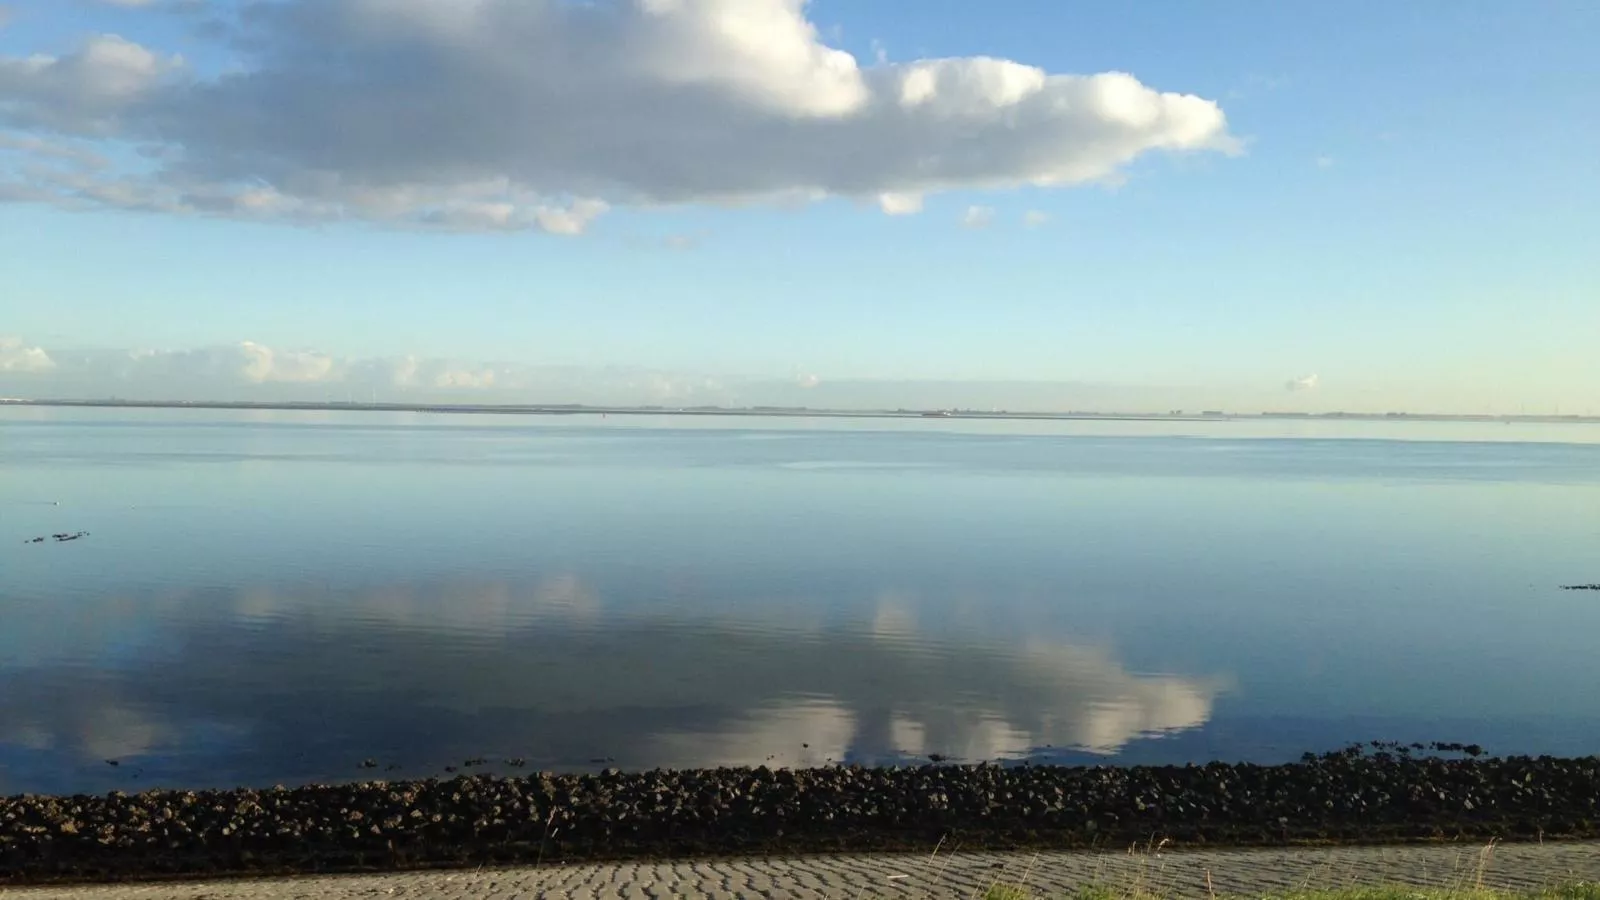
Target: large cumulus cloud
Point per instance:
(542, 114)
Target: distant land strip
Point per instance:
(550, 409)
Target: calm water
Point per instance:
(274, 597)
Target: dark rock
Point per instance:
(1376, 792)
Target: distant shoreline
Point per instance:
(787, 412)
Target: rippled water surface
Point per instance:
(276, 597)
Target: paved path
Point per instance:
(958, 875)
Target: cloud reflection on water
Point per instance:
(261, 686)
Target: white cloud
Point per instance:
(1035, 218)
(1325, 162)
(1257, 84)
(250, 363)
(88, 91)
(292, 366)
(249, 370)
(507, 215)
(807, 380)
(39, 149)
(1303, 383)
(17, 357)
(572, 219)
(244, 363)
(410, 372)
(880, 53)
(977, 217)
(900, 204)
(681, 241)
(393, 372)
(503, 114)
(464, 378)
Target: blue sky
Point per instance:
(1402, 202)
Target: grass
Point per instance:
(1148, 879)
(1577, 891)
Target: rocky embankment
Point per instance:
(1358, 795)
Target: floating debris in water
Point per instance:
(1580, 587)
(1383, 750)
(60, 538)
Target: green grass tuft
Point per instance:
(1003, 891)
(1575, 891)
(1578, 891)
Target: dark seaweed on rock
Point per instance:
(1364, 793)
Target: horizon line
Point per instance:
(785, 411)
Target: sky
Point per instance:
(1364, 206)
